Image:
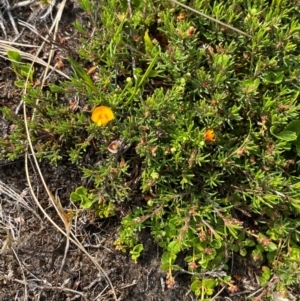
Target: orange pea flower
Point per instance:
(102, 115)
(210, 136)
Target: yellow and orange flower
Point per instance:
(102, 115)
(210, 136)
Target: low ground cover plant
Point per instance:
(191, 131)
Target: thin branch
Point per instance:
(211, 18)
(131, 34)
(41, 287)
(30, 148)
(21, 267)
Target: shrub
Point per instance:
(194, 151)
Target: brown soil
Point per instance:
(29, 265)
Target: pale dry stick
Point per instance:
(134, 282)
(51, 53)
(7, 8)
(73, 239)
(21, 267)
(131, 33)
(4, 189)
(55, 202)
(56, 22)
(11, 18)
(88, 287)
(218, 293)
(64, 217)
(46, 75)
(51, 4)
(68, 223)
(246, 292)
(6, 46)
(98, 246)
(47, 65)
(2, 24)
(41, 10)
(41, 287)
(211, 18)
(34, 30)
(18, 44)
(99, 295)
(23, 3)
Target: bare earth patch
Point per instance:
(32, 252)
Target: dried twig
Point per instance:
(55, 203)
(48, 287)
(131, 34)
(21, 267)
(211, 18)
(12, 21)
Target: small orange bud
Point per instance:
(210, 136)
(181, 17)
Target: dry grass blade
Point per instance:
(54, 26)
(6, 46)
(55, 202)
(23, 3)
(21, 267)
(67, 219)
(41, 9)
(131, 34)
(211, 18)
(16, 198)
(8, 11)
(17, 44)
(73, 239)
(7, 8)
(2, 24)
(59, 288)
